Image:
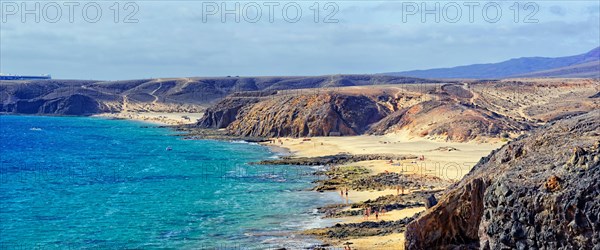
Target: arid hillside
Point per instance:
(454, 111)
(81, 97)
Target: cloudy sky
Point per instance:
(190, 38)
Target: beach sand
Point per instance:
(388, 216)
(446, 160)
(449, 165)
(159, 118)
(386, 242)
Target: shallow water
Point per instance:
(73, 182)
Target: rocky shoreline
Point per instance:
(333, 159)
(192, 133)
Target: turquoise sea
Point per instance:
(81, 183)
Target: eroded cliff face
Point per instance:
(320, 114)
(68, 105)
(541, 191)
(225, 112)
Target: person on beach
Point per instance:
(376, 214)
(346, 192)
(398, 188)
(383, 211)
(342, 192)
(366, 217)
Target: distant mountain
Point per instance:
(583, 65)
(582, 70)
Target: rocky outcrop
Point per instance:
(333, 159)
(541, 191)
(392, 180)
(321, 114)
(362, 229)
(69, 105)
(309, 115)
(225, 112)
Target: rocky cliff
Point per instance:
(541, 191)
(67, 105)
(319, 114)
(226, 111)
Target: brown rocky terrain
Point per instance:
(450, 120)
(299, 113)
(456, 112)
(541, 191)
(536, 100)
(309, 115)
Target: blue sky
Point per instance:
(185, 38)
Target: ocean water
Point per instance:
(81, 183)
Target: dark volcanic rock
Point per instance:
(431, 201)
(541, 191)
(382, 181)
(225, 112)
(333, 159)
(363, 229)
(70, 105)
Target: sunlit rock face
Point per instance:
(541, 191)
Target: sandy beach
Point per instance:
(449, 161)
(159, 118)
